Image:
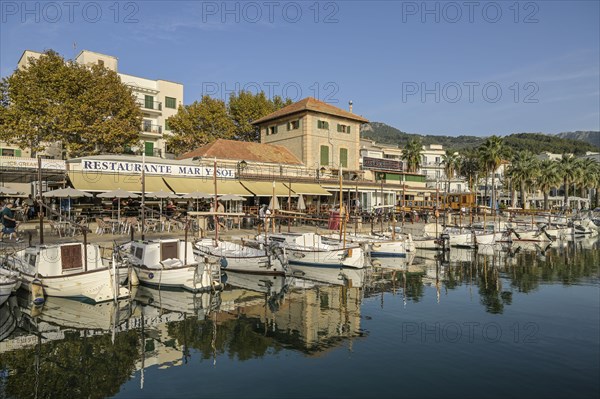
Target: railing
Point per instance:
(149, 128)
(156, 105)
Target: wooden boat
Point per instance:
(243, 258)
(68, 270)
(171, 263)
(9, 283)
(379, 246)
(309, 249)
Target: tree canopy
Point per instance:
(86, 108)
(209, 119)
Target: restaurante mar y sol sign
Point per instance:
(92, 165)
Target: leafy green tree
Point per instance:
(412, 155)
(198, 124)
(245, 107)
(88, 109)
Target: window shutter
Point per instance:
(324, 155)
(344, 157)
(17, 153)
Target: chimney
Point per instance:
(350, 105)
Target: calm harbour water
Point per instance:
(517, 322)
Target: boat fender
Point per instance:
(37, 292)
(223, 262)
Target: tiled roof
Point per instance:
(311, 104)
(244, 150)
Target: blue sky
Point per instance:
(478, 68)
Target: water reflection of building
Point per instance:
(311, 316)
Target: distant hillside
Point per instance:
(534, 142)
(589, 137)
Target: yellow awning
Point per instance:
(101, 182)
(308, 189)
(185, 185)
(265, 188)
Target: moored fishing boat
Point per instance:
(243, 258)
(68, 270)
(9, 283)
(172, 263)
(309, 249)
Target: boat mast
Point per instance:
(143, 192)
(216, 218)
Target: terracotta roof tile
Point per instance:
(244, 150)
(311, 104)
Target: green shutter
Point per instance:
(324, 155)
(344, 157)
(149, 148)
(348, 129)
(149, 102)
(167, 127)
(17, 153)
(170, 102)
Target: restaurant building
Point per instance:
(308, 148)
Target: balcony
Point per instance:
(152, 106)
(148, 128)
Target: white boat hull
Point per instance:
(192, 277)
(239, 258)
(310, 249)
(65, 271)
(95, 285)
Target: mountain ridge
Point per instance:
(535, 142)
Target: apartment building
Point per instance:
(158, 99)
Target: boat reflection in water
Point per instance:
(116, 348)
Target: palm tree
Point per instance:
(470, 168)
(522, 172)
(568, 170)
(412, 155)
(491, 152)
(450, 161)
(548, 178)
(587, 176)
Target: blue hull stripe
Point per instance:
(387, 255)
(328, 265)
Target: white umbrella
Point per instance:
(197, 195)
(274, 204)
(161, 195)
(7, 190)
(66, 193)
(118, 193)
(301, 205)
(231, 197)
